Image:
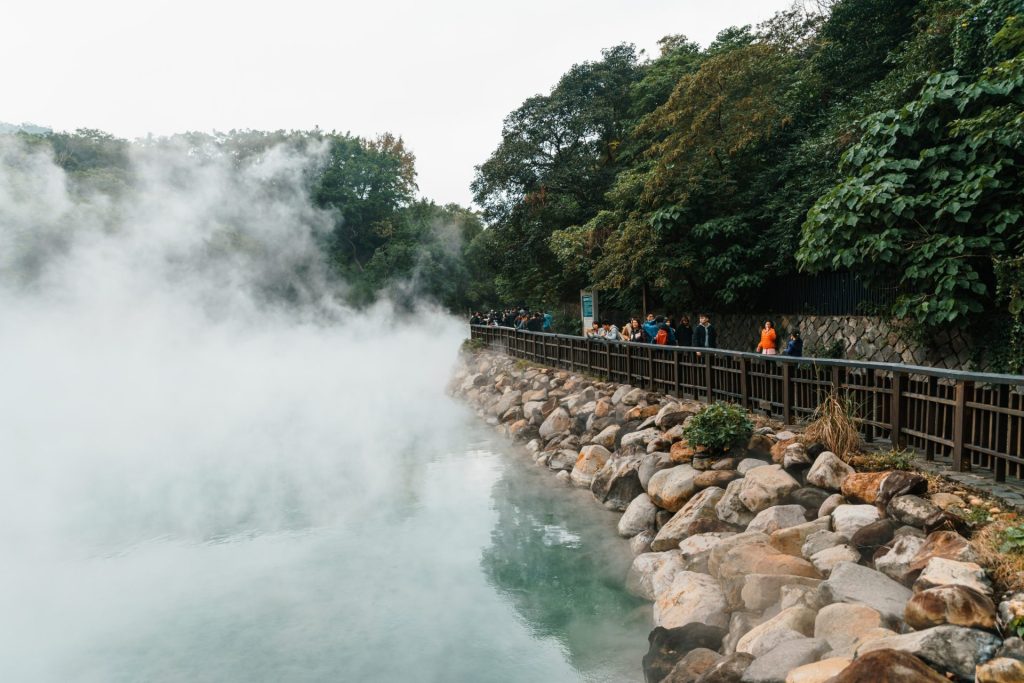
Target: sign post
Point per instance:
(588, 308)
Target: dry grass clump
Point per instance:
(1006, 568)
(835, 424)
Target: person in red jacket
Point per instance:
(768, 339)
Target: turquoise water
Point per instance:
(474, 565)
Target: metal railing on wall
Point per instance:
(971, 420)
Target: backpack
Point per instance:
(661, 337)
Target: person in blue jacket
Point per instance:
(795, 345)
(651, 327)
(548, 320)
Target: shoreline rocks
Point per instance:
(778, 564)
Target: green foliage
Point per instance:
(932, 197)
(1013, 540)
(833, 349)
(718, 428)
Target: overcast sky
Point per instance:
(443, 73)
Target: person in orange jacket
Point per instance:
(768, 338)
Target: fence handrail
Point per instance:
(976, 419)
(941, 373)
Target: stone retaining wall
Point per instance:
(778, 564)
(869, 338)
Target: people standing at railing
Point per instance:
(684, 333)
(795, 345)
(767, 344)
(704, 335)
(609, 331)
(636, 332)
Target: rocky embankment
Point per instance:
(779, 565)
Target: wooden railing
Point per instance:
(971, 420)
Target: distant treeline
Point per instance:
(384, 240)
(879, 137)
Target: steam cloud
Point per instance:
(178, 368)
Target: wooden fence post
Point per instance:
(744, 389)
(675, 372)
(960, 425)
(709, 378)
(896, 410)
(629, 364)
(650, 368)
(787, 398)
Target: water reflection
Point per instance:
(555, 557)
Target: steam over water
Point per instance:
(210, 469)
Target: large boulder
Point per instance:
(775, 665)
(638, 517)
(761, 591)
(843, 624)
(607, 436)
(671, 488)
(911, 510)
(777, 517)
(692, 665)
(791, 539)
(796, 457)
(639, 438)
(719, 478)
(618, 482)
(651, 464)
(696, 549)
(852, 583)
(862, 487)
(764, 487)
(1000, 670)
(900, 483)
(697, 516)
(888, 666)
(692, 598)
(826, 560)
(956, 605)
(954, 649)
(651, 574)
(811, 497)
(848, 519)
(669, 645)
(508, 400)
(729, 670)
(818, 672)
(868, 539)
(896, 563)
(789, 624)
(731, 509)
(590, 461)
(719, 552)
(558, 422)
(942, 572)
(829, 472)
(820, 540)
(670, 415)
(946, 544)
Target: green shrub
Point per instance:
(718, 428)
(1013, 540)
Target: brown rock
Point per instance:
(946, 544)
(900, 483)
(818, 672)
(957, 605)
(603, 408)
(1000, 670)
(690, 667)
(778, 450)
(888, 666)
(862, 487)
(760, 446)
(681, 452)
(791, 539)
(720, 478)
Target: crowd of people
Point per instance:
(654, 329)
(520, 319)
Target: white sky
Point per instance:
(442, 74)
